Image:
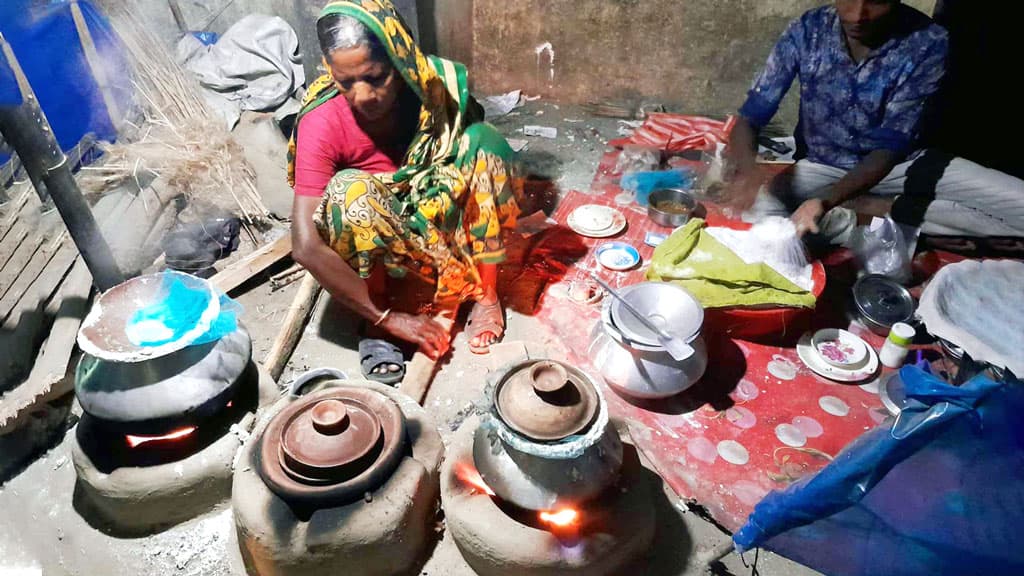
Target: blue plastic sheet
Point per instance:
(180, 312)
(643, 183)
(46, 43)
(941, 491)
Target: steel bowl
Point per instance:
(666, 218)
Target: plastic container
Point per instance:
(894, 350)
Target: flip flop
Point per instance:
(374, 353)
(481, 322)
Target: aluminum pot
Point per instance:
(548, 475)
(179, 388)
(644, 370)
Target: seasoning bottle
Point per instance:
(894, 350)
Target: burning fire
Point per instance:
(135, 441)
(563, 518)
(469, 475)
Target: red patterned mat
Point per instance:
(747, 427)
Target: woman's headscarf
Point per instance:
(440, 84)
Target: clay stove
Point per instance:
(540, 485)
(159, 430)
(340, 480)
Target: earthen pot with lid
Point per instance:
(332, 447)
(544, 403)
(547, 442)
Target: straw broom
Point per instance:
(178, 138)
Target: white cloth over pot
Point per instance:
(255, 65)
(979, 306)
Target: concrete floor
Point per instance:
(40, 528)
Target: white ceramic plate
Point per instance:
(596, 221)
(840, 348)
(810, 357)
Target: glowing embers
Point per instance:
(562, 519)
(184, 432)
(469, 475)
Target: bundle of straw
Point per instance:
(178, 138)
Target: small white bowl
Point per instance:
(839, 348)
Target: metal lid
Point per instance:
(882, 300)
(667, 305)
(545, 401)
(333, 445)
(104, 332)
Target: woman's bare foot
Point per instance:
(486, 323)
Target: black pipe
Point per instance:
(28, 132)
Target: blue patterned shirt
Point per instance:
(848, 109)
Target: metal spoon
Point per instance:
(676, 347)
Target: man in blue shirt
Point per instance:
(867, 69)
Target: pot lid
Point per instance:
(666, 305)
(333, 445)
(112, 330)
(545, 401)
(329, 441)
(882, 300)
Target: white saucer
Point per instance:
(810, 357)
(596, 221)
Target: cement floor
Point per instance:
(39, 526)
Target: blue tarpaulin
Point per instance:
(9, 94)
(940, 491)
(47, 46)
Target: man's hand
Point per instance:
(739, 162)
(807, 215)
(740, 170)
(421, 330)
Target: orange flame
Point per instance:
(469, 475)
(134, 441)
(563, 518)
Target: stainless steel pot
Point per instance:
(635, 366)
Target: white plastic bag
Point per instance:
(880, 248)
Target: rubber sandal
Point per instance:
(374, 353)
(480, 322)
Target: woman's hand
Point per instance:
(421, 330)
(807, 215)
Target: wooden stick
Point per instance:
(294, 323)
(293, 269)
(419, 373)
(47, 379)
(259, 260)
